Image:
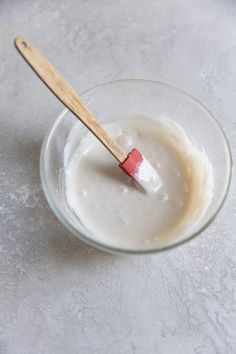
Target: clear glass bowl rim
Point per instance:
(117, 250)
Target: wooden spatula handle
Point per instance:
(66, 94)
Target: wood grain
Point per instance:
(66, 94)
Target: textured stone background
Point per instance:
(58, 295)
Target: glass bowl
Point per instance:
(116, 100)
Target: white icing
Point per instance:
(147, 177)
(107, 202)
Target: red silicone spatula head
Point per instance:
(137, 167)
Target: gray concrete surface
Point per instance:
(57, 295)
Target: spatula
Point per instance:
(134, 164)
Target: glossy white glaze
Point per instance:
(119, 214)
